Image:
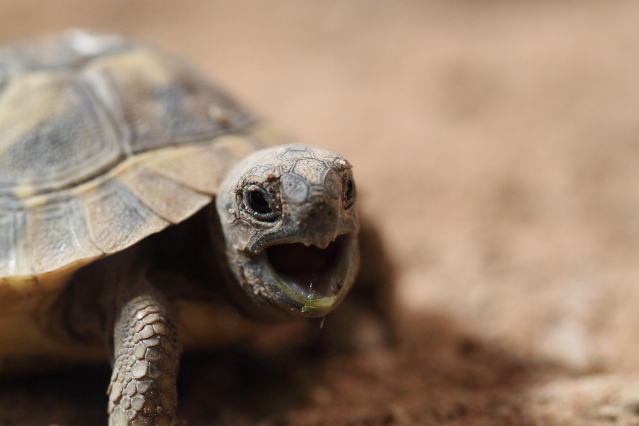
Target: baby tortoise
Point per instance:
(104, 144)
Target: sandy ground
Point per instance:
(496, 144)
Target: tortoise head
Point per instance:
(289, 219)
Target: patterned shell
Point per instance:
(103, 141)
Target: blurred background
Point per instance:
(495, 143)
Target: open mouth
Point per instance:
(311, 272)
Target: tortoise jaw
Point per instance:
(307, 269)
(310, 280)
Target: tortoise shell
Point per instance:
(103, 141)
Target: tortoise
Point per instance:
(143, 211)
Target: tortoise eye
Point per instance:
(259, 203)
(349, 194)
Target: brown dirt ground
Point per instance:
(496, 144)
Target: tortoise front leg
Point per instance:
(143, 389)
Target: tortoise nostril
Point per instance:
(349, 193)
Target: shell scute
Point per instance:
(160, 101)
(202, 167)
(116, 218)
(14, 256)
(168, 199)
(58, 237)
(51, 133)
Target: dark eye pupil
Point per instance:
(258, 202)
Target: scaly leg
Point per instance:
(146, 351)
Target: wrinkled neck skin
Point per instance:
(289, 219)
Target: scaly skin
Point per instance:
(142, 390)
